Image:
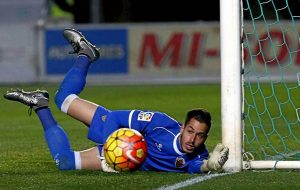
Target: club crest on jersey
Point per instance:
(179, 162)
(145, 116)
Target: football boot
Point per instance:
(34, 99)
(80, 44)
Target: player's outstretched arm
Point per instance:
(216, 159)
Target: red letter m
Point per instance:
(150, 46)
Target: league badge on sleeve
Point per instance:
(145, 116)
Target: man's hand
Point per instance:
(105, 167)
(216, 159)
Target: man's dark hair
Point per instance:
(201, 115)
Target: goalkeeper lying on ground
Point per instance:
(172, 147)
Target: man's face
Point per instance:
(193, 135)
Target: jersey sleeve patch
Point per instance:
(145, 116)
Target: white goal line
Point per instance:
(192, 181)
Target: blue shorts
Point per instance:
(96, 127)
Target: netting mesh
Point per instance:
(271, 79)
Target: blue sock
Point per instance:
(46, 118)
(74, 81)
(57, 141)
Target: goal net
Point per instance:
(264, 33)
(271, 80)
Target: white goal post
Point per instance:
(232, 92)
(230, 29)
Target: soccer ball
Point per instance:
(125, 149)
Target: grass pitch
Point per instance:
(25, 162)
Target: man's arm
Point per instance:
(216, 159)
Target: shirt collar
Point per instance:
(177, 146)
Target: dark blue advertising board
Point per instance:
(113, 44)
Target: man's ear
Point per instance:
(182, 128)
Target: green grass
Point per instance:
(25, 162)
(271, 123)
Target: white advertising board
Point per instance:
(142, 53)
(179, 52)
(17, 57)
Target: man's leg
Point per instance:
(57, 140)
(60, 149)
(66, 98)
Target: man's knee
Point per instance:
(63, 100)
